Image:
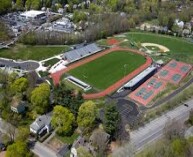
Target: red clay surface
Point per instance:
(148, 90)
(112, 41)
(172, 70)
(56, 76)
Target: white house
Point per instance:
(41, 124)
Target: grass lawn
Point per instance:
(108, 69)
(26, 52)
(70, 85)
(68, 139)
(51, 62)
(102, 42)
(180, 49)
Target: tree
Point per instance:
(191, 117)
(100, 140)
(82, 152)
(67, 98)
(12, 77)
(63, 120)
(113, 4)
(79, 16)
(28, 4)
(10, 130)
(111, 119)
(173, 129)
(18, 149)
(5, 6)
(36, 4)
(86, 114)
(22, 134)
(40, 98)
(93, 8)
(171, 21)
(126, 150)
(179, 147)
(176, 28)
(20, 85)
(129, 6)
(19, 4)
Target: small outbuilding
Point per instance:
(17, 105)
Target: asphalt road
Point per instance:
(42, 151)
(154, 130)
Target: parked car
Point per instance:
(2, 147)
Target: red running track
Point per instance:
(56, 76)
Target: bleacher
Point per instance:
(82, 52)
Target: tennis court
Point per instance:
(148, 90)
(174, 71)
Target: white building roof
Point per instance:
(32, 13)
(139, 77)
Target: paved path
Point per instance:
(56, 76)
(154, 130)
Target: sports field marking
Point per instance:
(56, 76)
(161, 47)
(108, 69)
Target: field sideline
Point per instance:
(108, 69)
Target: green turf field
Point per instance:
(180, 49)
(38, 53)
(108, 69)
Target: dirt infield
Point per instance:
(56, 76)
(161, 47)
(112, 41)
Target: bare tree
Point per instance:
(10, 130)
(126, 150)
(99, 140)
(173, 128)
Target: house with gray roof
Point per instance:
(41, 124)
(17, 105)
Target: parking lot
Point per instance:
(128, 111)
(28, 65)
